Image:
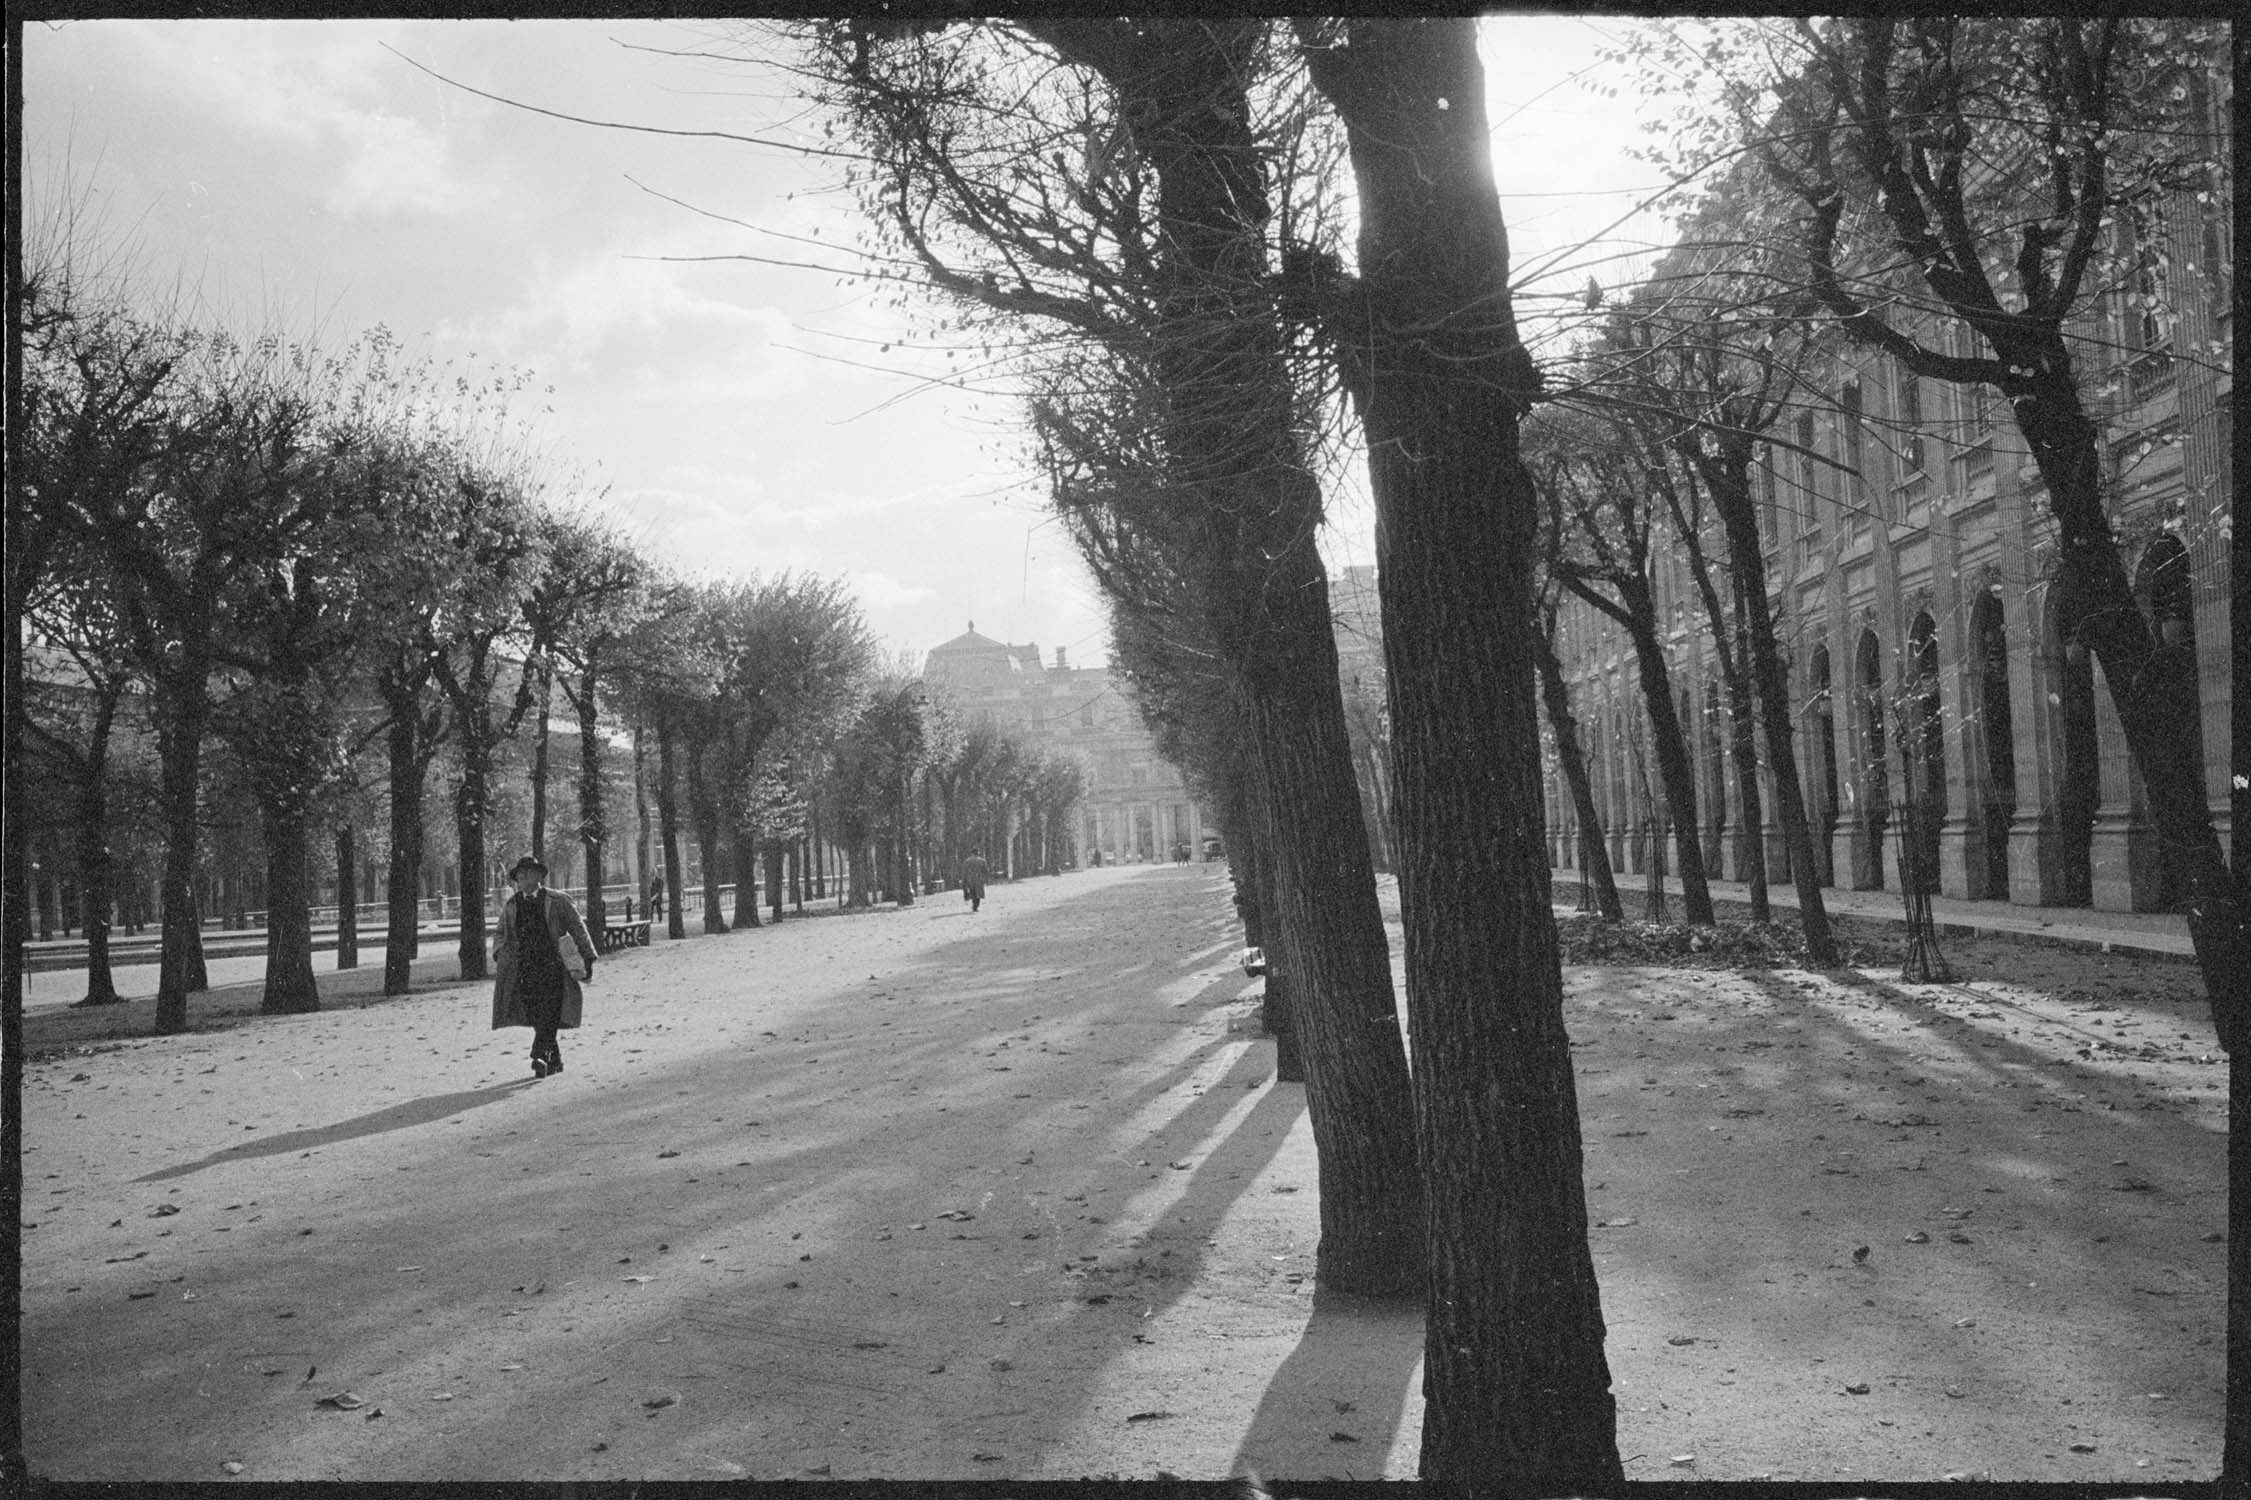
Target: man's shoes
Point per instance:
(555, 1063)
(539, 1067)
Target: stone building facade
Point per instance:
(1136, 807)
(1913, 563)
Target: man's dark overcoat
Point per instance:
(562, 918)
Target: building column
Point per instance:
(2125, 854)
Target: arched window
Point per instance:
(1875, 773)
(1997, 723)
(1925, 746)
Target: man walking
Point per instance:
(973, 880)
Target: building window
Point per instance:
(1769, 512)
(1910, 421)
(2146, 321)
(1809, 493)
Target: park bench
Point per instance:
(616, 935)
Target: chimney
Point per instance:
(1062, 663)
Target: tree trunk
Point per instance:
(1516, 1387)
(744, 848)
(1232, 426)
(857, 874)
(593, 827)
(290, 986)
(775, 850)
(902, 883)
(540, 728)
(1253, 896)
(2157, 708)
(97, 871)
(668, 830)
(1739, 515)
(704, 811)
(469, 803)
(185, 709)
(402, 888)
(1676, 771)
(347, 898)
(1743, 747)
(1557, 695)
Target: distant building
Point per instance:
(1136, 805)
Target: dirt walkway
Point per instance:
(930, 1194)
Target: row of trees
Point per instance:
(306, 585)
(1148, 215)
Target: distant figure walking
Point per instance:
(656, 899)
(973, 880)
(531, 985)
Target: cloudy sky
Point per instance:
(743, 417)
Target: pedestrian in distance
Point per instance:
(541, 954)
(656, 899)
(973, 880)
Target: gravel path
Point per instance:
(926, 1194)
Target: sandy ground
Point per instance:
(926, 1194)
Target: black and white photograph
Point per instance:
(1501, 751)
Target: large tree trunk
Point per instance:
(2158, 708)
(185, 711)
(1516, 1387)
(775, 849)
(1556, 693)
(347, 897)
(290, 986)
(668, 830)
(1232, 427)
(402, 887)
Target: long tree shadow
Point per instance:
(1337, 1402)
(1926, 1127)
(1019, 1179)
(398, 1117)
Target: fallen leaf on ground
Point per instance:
(1856, 1390)
(1149, 1416)
(1342, 1437)
(342, 1401)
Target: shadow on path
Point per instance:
(397, 1117)
(1334, 1408)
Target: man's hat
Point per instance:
(528, 862)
